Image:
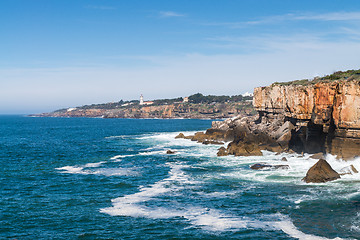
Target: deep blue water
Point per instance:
(83, 178)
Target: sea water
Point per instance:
(83, 178)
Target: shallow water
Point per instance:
(75, 178)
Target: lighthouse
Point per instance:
(141, 100)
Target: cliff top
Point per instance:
(336, 76)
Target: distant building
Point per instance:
(145, 103)
(148, 103)
(186, 99)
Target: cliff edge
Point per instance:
(318, 116)
(326, 114)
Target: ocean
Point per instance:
(93, 178)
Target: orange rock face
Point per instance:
(333, 105)
(320, 103)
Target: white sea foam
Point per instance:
(289, 228)
(93, 165)
(121, 156)
(127, 205)
(71, 169)
(99, 171)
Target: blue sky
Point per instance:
(65, 53)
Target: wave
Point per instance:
(121, 156)
(134, 205)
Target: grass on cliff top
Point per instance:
(341, 76)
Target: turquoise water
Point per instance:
(77, 178)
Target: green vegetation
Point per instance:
(199, 98)
(339, 76)
(167, 101)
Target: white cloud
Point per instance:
(332, 16)
(166, 14)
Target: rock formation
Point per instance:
(318, 117)
(325, 115)
(321, 172)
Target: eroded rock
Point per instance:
(321, 172)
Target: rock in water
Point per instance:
(321, 172)
(170, 152)
(259, 166)
(181, 135)
(222, 152)
(284, 159)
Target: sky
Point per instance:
(65, 53)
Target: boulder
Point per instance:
(170, 152)
(181, 135)
(222, 152)
(321, 172)
(284, 159)
(284, 139)
(284, 129)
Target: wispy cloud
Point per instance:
(167, 14)
(100, 7)
(332, 16)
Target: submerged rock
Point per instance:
(321, 172)
(170, 152)
(259, 166)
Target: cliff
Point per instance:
(317, 116)
(327, 114)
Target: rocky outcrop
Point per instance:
(321, 172)
(249, 135)
(325, 115)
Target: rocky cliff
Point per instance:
(326, 114)
(318, 116)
